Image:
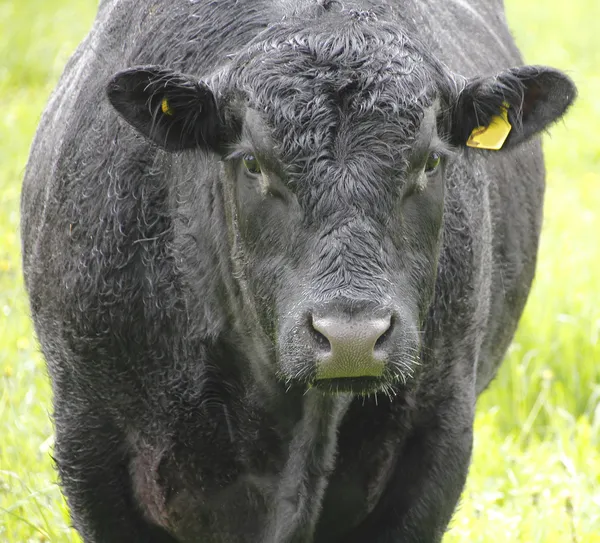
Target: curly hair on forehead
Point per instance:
(309, 80)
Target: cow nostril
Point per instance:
(320, 339)
(382, 339)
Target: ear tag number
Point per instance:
(494, 135)
(166, 107)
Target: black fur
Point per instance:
(174, 292)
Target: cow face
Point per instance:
(334, 142)
(340, 200)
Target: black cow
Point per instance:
(267, 275)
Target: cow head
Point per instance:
(334, 138)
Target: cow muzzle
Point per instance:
(346, 350)
(350, 347)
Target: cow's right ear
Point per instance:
(172, 110)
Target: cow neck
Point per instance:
(301, 484)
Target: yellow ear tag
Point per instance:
(166, 107)
(494, 135)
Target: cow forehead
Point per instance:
(346, 86)
(355, 68)
(341, 120)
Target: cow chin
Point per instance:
(361, 386)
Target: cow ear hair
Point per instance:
(171, 109)
(530, 97)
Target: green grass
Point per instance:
(536, 468)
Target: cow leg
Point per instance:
(425, 487)
(91, 458)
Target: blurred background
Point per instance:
(536, 468)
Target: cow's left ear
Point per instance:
(173, 110)
(505, 110)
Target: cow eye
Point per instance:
(251, 164)
(433, 162)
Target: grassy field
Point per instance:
(536, 468)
